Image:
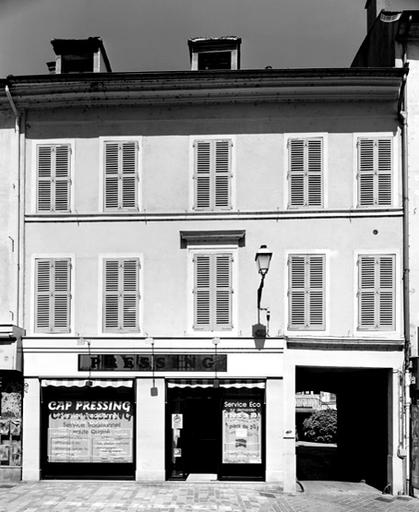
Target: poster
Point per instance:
(4, 427)
(4, 452)
(242, 430)
(415, 446)
(90, 431)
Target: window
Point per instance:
(121, 175)
(306, 292)
(374, 171)
(376, 294)
(213, 291)
(121, 294)
(53, 177)
(305, 172)
(52, 295)
(212, 174)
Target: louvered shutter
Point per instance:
(222, 174)
(315, 271)
(111, 175)
(53, 295)
(129, 175)
(130, 294)
(306, 292)
(202, 174)
(314, 148)
(43, 292)
(305, 164)
(223, 291)
(374, 171)
(62, 178)
(61, 273)
(296, 293)
(376, 292)
(296, 176)
(111, 299)
(121, 170)
(202, 289)
(44, 161)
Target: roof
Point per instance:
(213, 86)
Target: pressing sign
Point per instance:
(177, 421)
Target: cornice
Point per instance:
(205, 87)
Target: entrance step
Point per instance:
(201, 477)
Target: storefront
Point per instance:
(215, 427)
(87, 431)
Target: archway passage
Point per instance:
(363, 437)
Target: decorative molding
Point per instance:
(227, 237)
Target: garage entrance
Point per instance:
(361, 446)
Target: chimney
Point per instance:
(80, 56)
(214, 53)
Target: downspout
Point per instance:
(402, 115)
(18, 243)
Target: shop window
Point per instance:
(376, 292)
(52, 295)
(306, 291)
(53, 177)
(305, 172)
(374, 174)
(212, 174)
(121, 175)
(121, 294)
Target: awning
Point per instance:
(81, 383)
(209, 383)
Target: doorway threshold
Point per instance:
(201, 477)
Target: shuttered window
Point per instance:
(52, 295)
(305, 172)
(121, 295)
(376, 292)
(53, 178)
(306, 291)
(212, 175)
(374, 171)
(121, 175)
(213, 292)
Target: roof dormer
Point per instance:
(80, 56)
(214, 53)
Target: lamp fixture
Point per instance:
(215, 342)
(263, 259)
(153, 390)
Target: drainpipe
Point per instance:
(19, 230)
(402, 115)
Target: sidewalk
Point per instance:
(82, 496)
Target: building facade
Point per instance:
(144, 199)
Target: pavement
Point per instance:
(112, 496)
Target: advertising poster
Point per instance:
(242, 431)
(90, 431)
(415, 446)
(4, 427)
(4, 452)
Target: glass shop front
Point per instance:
(215, 427)
(87, 431)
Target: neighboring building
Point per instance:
(146, 196)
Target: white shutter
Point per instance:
(376, 293)
(111, 298)
(306, 292)
(111, 175)
(202, 290)
(121, 174)
(305, 175)
(296, 176)
(223, 291)
(375, 171)
(202, 174)
(44, 169)
(62, 178)
(130, 294)
(42, 295)
(53, 295)
(222, 174)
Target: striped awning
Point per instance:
(223, 383)
(81, 383)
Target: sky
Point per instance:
(151, 35)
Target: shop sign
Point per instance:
(161, 362)
(177, 421)
(242, 431)
(90, 430)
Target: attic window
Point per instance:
(77, 63)
(214, 60)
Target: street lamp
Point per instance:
(153, 390)
(263, 259)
